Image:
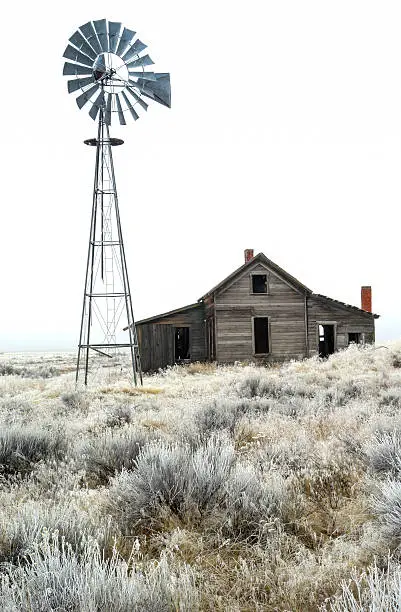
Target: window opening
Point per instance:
(354, 337)
(259, 283)
(181, 343)
(326, 340)
(261, 335)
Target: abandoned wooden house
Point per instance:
(258, 313)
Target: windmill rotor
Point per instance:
(108, 62)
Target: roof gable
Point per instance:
(270, 265)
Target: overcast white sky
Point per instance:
(284, 136)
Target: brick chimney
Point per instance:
(248, 254)
(366, 298)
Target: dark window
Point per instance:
(181, 343)
(259, 283)
(261, 335)
(353, 337)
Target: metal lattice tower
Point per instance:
(109, 58)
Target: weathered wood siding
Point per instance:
(235, 306)
(157, 347)
(346, 320)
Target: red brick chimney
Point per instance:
(248, 253)
(366, 298)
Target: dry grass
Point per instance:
(133, 391)
(201, 368)
(249, 488)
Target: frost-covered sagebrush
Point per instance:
(376, 590)
(111, 452)
(239, 487)
(22, 448)
(55, 578)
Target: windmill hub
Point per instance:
(110, 72)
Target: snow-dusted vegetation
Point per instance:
(229, 488)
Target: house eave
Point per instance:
(343, 305)
(165, 315)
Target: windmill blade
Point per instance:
(77, 56)
(96, 105)
(79, 84)
(101, 31)
(74, 69)
(114, 31)
(137, 98)
(148, 76)
(141, 61)
(85, 97)
(90, 35)
(79, 41)
(120, 111)
(159, 90)
(99, 67)
(125, 40)
(135, 49)
(132, 110)
(107, 115)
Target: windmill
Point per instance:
(109, 73)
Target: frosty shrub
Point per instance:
(171, 476)
(347, 390)
(391, 397)
(21, 531)
(262, 383)
(221, 414)
(396, 359)
(252, 504)
(119, 415)
(75, 400)
(113, 451)
(211, 464)
(373, 591)
(21, 449)
(54, 578)
(225, 414)
(42, 371)
(6, 369)
(259, 384)
(386, 505)
(384, 454)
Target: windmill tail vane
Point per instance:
(110, 76)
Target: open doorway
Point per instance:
(326, 339)
(181, 343)
(261, 335)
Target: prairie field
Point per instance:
(230, 488)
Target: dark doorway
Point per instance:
(353, 337)
(181, 343)
(326, 340)
(261, 335)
